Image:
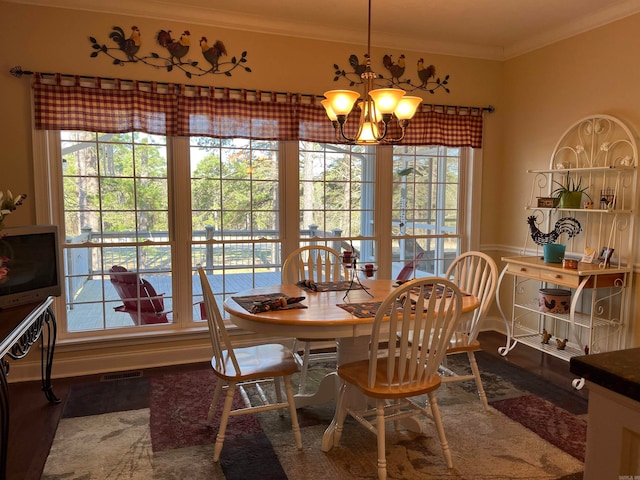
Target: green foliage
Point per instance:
(569, 185)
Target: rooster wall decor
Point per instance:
(427, 79)
(567, 225)
(177, 48)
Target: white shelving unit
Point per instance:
(599, 151)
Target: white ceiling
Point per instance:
(491, 29)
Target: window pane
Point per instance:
(115, 193)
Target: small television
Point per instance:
(31, 265)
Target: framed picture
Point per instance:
(605, 255)
(588, 255)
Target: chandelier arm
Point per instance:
(394, 140)
(342, 134)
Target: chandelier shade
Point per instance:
(341, 101)
(377, 108)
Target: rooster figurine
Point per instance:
(567, 225)
(561, 343)
(396, 69)
(425, 73)
(212, 54)
(546, 336)
(129, 46)
(176, 48)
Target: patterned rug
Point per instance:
(154, 427)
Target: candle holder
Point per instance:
(369, 270)
(349, 263)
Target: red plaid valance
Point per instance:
(177, 110)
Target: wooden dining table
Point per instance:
(324, 318)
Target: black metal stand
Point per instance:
(355, 278)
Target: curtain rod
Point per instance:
(18, 72)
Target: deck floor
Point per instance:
(89, 313)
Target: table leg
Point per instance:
(352, 349)
(326, 392)
(4, 418)
(46, 360)
(349, 349)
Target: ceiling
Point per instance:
(490, 29)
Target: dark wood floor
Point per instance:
(34, 421)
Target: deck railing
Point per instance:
(234, 249)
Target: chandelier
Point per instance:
(377, 108)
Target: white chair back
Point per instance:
(416, 337)
(313, 262)
(222, 349)
(475, 273)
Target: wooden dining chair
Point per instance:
(318, 264)
(246, 367)
(400, 367)
(475, 273)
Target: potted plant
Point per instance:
(569, 193)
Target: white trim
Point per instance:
(471, 162)
(72, 360)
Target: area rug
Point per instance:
(533, 431)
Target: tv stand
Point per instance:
(20, 328)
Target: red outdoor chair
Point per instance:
(138, 296)
(409, 267)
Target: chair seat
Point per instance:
(259, 361)
(460, 343)
(357, 373)
(328, 339)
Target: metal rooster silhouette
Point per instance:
(177, 52)
(567, 225)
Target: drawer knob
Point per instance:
(522, 269)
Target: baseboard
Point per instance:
(106, 360)
(92, 361)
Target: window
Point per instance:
(117, 211)
(426, 224)
(158, 204)
(235, 211)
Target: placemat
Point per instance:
(369, 309)
(311, 286)
(361, 310)
(268, 302)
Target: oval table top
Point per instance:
(323, 318)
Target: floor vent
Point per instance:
(109, 377)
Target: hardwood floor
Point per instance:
(34, 421)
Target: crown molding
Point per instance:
(210, 16)
(579, 25)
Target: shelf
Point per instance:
(533, 340)
(587, 210)
(621, 168)
(581, 319)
